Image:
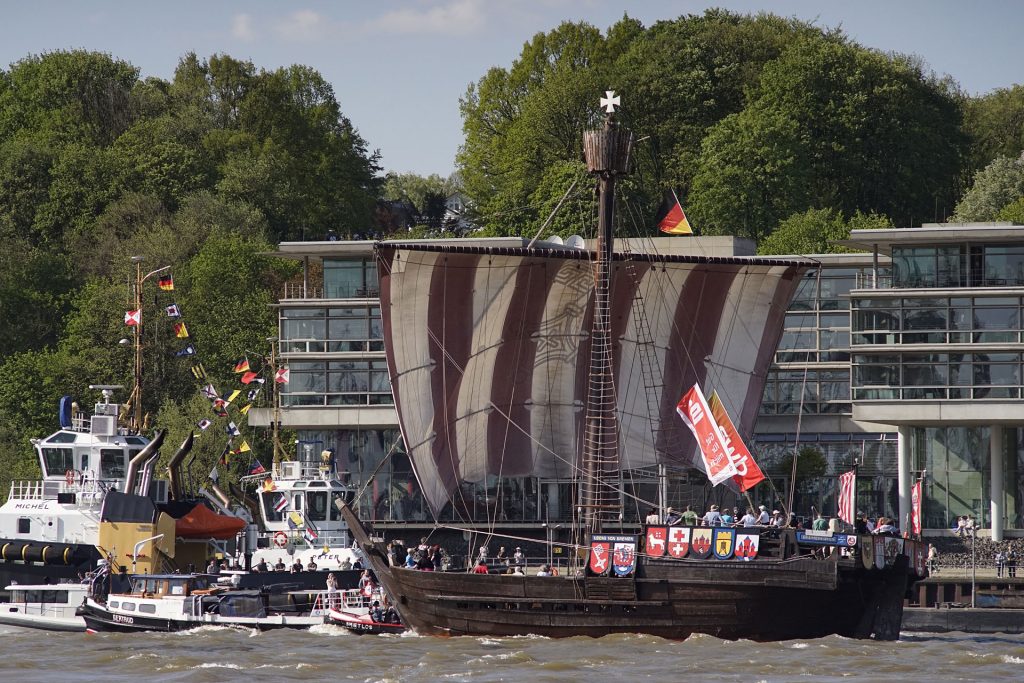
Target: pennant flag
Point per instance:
(248, 377)
(224, 454)
(229, 397)
(180, 331)
(210, 391)
(187, 351)
(694, 410)
(269, 485)
(915, 508)
(219, 408)
(253, 393)
(670, 218)
(282, 376)
(166, 283)
(242, 365)
(748, 474)
(257, 467)
(198, 371)
(294, 520)
(245, 409)
(133, 318)
(232, 429)
(282, 503)
(203, 424)
(214, 476)
(244, 448)
(847, 495)
(173, 311)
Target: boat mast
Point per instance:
(135, 421)
(607, 155)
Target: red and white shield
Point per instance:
(600, 557)
(879, 551)
(656, 536)
(678, 541)
(746, 545)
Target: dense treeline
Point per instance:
(205, 173)
(751, 120)
(769, 128)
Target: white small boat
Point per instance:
(176, 602)
(44, 606)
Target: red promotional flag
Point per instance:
(670, 218)
(694, 410)
(847, 495)
(133, 318)
(748, 474)
(248, 377)
(915, 508)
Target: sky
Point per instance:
(399, 67)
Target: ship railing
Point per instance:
(88, 493)
(304, 469)
(333, 539)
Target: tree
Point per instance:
(1013, 212)
(813, 231)
(999, 184)
(995, 123)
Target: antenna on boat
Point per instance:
(135, 399)
(607, 153)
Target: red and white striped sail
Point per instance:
(488, 351)
(847, 496)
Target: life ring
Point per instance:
(69, 477)
(280, 539)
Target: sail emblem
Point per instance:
(679, 541)
(746, 545)
(656, 536)
(700, 543)
(600, 554)
(624, 558)
(725, 542)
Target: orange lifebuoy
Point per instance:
(69, 477)
(280, 539)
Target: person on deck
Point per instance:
(748, 520)
(763, 519)
(712, 517)
(481, 567)
(544, 571)
(652, 517)
(933, 559)
(410, 560)
(727, 519)
(262, 566)
(518, 558)
(213, 567)
(820, 523)
(672, 517)
(689, 517)
(1011, 563)
(311, 567)
(502, 556)
(1000, 563)
(778, 519)
(279, 566)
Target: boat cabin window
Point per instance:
(112, 463)
(24, 525)
(57, 461)
(128, 606)
(316, 505)
(297, 502)
(114, 604)
(147, 608)
(62, 437)
(43, 596)
(85, 462)
(269, 499)
(337, 498)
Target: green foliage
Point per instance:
(812, 232)
(996, 123)
(1013, 212)
(415, 188)
(997, 185)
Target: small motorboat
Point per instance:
(363, 612)
(177, 602)
(44, 606)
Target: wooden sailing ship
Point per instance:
(489, 350)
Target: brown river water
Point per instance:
(328, 653)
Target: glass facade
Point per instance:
(335, 329)
(958, 265)
(350, 278)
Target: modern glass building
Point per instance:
(904, 359)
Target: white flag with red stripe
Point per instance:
(847, 495)
(915, 508)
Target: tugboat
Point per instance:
(511, 362)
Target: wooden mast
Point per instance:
(607, 155)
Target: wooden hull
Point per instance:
(762, 600)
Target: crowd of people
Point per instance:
(717, 516)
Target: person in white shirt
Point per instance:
(653, 517)
(763, 519)
(748, 520)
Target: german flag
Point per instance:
(166, 283)
(242, 365)
(671, 219)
